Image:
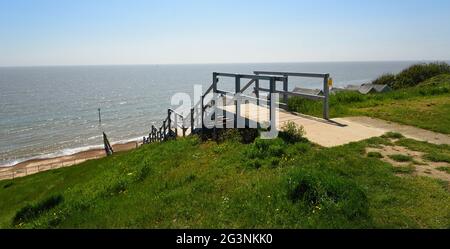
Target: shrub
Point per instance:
(385, 79)
(292, 132)
(414, 75)
(245, 136)
(32, 211)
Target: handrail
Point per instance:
(309, 75)
(250, 76)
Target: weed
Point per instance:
(292, 132)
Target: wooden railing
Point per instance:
(169, 127)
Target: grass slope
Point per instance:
(426, 105)
(265, 184)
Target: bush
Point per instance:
(385, 79)
(292, 132)
(32, 211)
(414, 75)
(245, 136)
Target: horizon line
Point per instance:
(224, 63)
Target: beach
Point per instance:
(34, 166)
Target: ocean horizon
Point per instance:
(50, 111)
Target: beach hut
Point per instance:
(373, 88)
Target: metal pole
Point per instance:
(99, 116)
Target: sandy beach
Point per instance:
(38, 165)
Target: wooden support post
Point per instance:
(169, 121)
(175, 121)
(203, 112)
(326, 94)
(237, 87)
(285, 89)
(258, 125)
(164, 130)
(192, 121)
(152, 139)
(272, 91)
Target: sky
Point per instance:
(104, 32)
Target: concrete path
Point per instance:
(406, 130)
(339, 131)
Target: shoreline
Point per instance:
(32, 166)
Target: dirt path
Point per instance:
(406, 130)
(419, 166)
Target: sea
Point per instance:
(50, 111)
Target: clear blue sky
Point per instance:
(78, 32)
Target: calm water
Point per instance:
(50, 111)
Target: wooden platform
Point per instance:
(326, 133)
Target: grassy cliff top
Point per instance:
(265, 184)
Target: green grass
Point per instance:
(426, 105)
(264, 184)
(393, 135)
(445, 169)
(401, 158)
(409, 169)
(374, 154)
(437, 157)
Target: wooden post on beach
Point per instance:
(108, 148)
